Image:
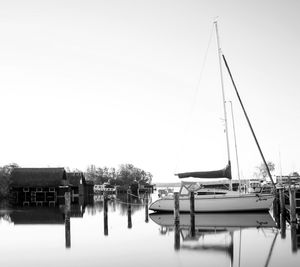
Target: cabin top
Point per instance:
(42, 177)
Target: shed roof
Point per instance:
(26, 177)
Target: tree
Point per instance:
(294, 174)
(262, 170)
(126, 174)
(5, 181)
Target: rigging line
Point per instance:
(195, 95)
(247, 118)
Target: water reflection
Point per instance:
(214, 232)
(46, 216)
(61, 214)
(122, 223)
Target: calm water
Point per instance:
(81, 237)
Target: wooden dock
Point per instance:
(289, 202)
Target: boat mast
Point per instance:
(223, 96)
(235, 144)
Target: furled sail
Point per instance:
(224, 173)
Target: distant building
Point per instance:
(286, 179)
(105, 187)
(77, 183)
(89, 188)
(38, 186)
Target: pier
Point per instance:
(288, 201)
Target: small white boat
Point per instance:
(214, 200)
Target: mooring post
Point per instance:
(192, 213)
(129, 208)
(176, 207)
(293, 217)
(294, 237)
(67, 230)
(105, 217)
(283, 226)
(67, 219)
(176, 222)
(276, 209)
(146, 209)
(67, 201)
(282, 201)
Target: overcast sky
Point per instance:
(112, 82)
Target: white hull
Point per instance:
(216, 220)
(217, 203)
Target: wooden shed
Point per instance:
(77, 182)
(38, 186)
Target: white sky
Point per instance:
(112, 82)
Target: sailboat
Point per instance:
(215, 200)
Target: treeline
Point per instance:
(126, 174)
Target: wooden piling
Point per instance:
(282, 201)
(276, 209)
(105, 217)
(176, 222)
(146, 209)
(192, 213)
(176, 206)
(294, 237)
(67, 210)
(283, 226)
(129, 225)
(67, 202)
(68, 230)
(293, 217)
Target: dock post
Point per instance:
(283, 226)
(129, 208)
(282, 201)
(105, 213)
(192, 213)
(294, 237)
(276, 209)
(68, 230)
(176, 222)
(146, 209)
(293, 218)
(67, 201)
(67, 219)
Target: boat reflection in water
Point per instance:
(213, 232)
(216, 220)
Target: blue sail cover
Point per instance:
(224, 173)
